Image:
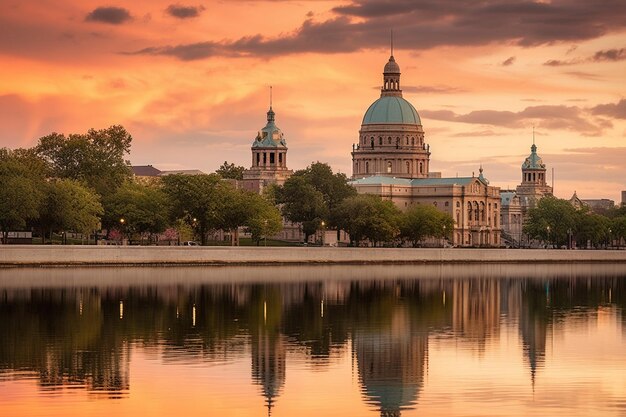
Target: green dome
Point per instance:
(389, 109)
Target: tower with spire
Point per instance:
(534, 184)
(269, 156)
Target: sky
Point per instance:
(190, 80)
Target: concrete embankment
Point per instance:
(32, 255)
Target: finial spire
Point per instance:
(391, 42)
(533, 134)
(270, 113)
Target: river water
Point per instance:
(453, 340)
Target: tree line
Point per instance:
(559, 224)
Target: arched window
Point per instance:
(407, 140)
(408, 167)
(413, 141)
(446, 204)
(458, 204)
(388, 167)
(389, 140)
(469, 210)
(476, 212)
(458, 217)
(372, 143)
(435, 203)
(380, 141)
(482, 211)
(367, 167)
(421, 168)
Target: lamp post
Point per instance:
(548, 230)
(122, 222)
(610, 241)
(443, 243)
(323, 231)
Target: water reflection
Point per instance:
(85, 336)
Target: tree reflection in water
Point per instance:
(78, 336)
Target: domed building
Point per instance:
(391, 139)
(269, 157)
(516, 203)
(392, 160)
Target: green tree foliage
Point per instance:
(551, 221)
(68, 205)
(618, 229)
(230, 171)
(144, 208)
(20, 189)
(265, 219)
(311, 195)
(591, 228)
(424, 221)
(95, 158)
(302, 203)
(197, 199)
(368, 217)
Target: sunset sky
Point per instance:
(190, 80)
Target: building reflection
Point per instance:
(84, 337)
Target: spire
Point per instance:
(270, 114)
(391, 76)
(534, 147)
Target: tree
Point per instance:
(198, 200)
(591, 228)
(265, 219)
(311, 195)
(367, 216)
(96, 158)
(551, 221)
(302, 203)
(424, 221)
(144, 208)
(68, 205)
(239, 209)
(618, 229)
(20, 190)
(230, 171)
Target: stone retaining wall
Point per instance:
(34, 255)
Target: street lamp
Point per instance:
(610, 241)
(122, 222)
(323, 231)
(569, 238)
(548, 229)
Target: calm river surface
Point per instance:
(458, 340)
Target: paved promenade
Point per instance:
(34, 255)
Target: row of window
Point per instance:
(533, 176)
(407, 167)
(390, 141)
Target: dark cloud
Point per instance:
(617, 111)
(610, 55)
(571, 118)
(184, 12)
(508, 61)
(418, 25)
(110, 15)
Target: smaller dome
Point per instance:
(270, 136)
(392, 66)
(533, 161)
